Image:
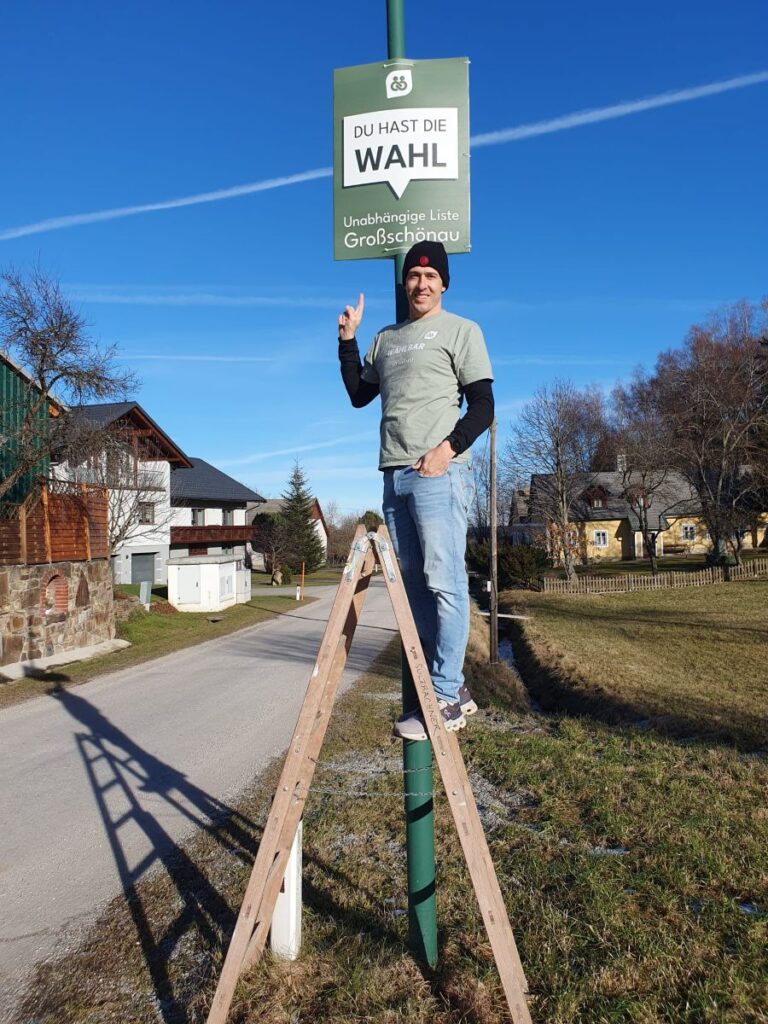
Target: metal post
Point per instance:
(417, 755)
(494, 602)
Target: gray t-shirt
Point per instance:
(419, 366)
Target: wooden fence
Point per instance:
(60, 521)
(629, 582)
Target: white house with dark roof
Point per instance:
(209, 532)
(209, 512)
(178, 507)
(139, 488)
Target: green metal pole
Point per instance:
(417, 755)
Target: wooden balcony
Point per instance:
(214, 535)
(59, 521)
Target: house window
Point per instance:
(146, 512)
(198, 517)
(689, 531)
(601, 538)
(227, 517)
(598, 502)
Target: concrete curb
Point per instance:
(27, 668)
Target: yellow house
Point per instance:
(605, 526)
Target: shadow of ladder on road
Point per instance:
(116, 766)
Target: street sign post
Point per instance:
(401, 157)
(401, 176)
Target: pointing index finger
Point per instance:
(360, 303)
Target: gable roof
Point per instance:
(674, 499)
(103, 414)
(203, 482)
(274, 506)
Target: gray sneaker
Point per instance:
(411, 726)
(466, 701)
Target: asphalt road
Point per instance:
(101, 780)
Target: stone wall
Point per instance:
(48, 609)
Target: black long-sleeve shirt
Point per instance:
(479, 396)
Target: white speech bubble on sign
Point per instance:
(400, 146)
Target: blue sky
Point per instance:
(595, 246)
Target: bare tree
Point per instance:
(341, 531)
(271, 537)
(554, 442)
(645, 460)
(712, 395)
(42, 332)
(117, 459)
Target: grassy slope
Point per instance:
(695, 659)
(633, 865)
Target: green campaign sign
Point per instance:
(400, 157)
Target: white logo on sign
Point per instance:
(399, 83)
(402, 145)
(430, 335)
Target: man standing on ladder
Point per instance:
(422, 368)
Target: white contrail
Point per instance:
(204, 359)
(205, 298)
(76, 219)
(665, 99)
(495, 138)
(258, 456)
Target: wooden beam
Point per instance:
(23, 534)
(460, 797)
(274, 849)
(46, 523)
(86, 521)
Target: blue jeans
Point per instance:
(427, 520)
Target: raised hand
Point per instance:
(350, 319)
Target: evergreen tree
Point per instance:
(304, 545)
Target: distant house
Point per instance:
(207, 568)
(137, 472)
(606, 526)
(210, 512)
(273, 506)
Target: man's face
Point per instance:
(424, 289)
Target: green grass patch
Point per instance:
(633, 866)
(327, 575)
(151, 635)
(691, 661)
(159, 591)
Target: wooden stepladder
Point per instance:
(253, 923)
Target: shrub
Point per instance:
(519, 565)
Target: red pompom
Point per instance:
(423, 261)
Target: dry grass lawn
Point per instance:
(633, 865)
(691, 661)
